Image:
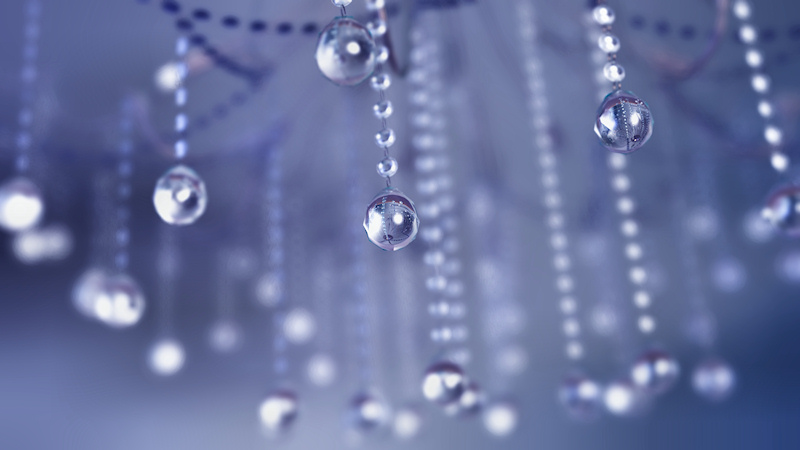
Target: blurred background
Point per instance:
(276, 286)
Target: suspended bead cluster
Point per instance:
(624, 123)
(180, 196)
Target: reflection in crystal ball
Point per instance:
(180, 196)
(782, 209)
(346, 53)
(501, 418)
(444, 383)
(655, 371)
(120, 303)
(278, 411)
(624, 123)
(623, 398)
(166, 357)
(368, 412)
(581, 397)
(21, 205)
(391, 221)
(714, 380)
(37, 245)
(299, 326)
(225, 336)
(407, 423)
(321, 370)
(88, 288)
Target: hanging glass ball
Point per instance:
(383, 109)
(623, 398)
(608, 43)
(714, 380)
(367, 413)
(614, 72)
(120, 303)
(581, 397)
(87, 290)
(444, 383)
(342, 2)
(624, 123)
(469, 403)
(166, 357)
(501, 418)
(655, 371)
(180, 196)
(603, 15)
(782, 209)
(278, 411)
(346, 52)
(391, 220)
(21, 205)
(387, 167)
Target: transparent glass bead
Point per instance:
(603, 15)
(180, 196)
(377, 27)
(21, 205)
(501, 418)
(608, 43)
(714, 380)
(346, 52)
(655, 371)
(120, 303)
(383, 54)
(623, 398)
(278, 411)
(380, 82)
(342, 2)
(443, 383)
(581, 397)
(391, 220)
(387, 167)
(782, 209)
(166, 357)
(469, 403)
(87, 290)
(624, 123)
(368, 412)
(385, 138)
(383, 109)
(614, 72)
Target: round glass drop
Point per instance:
(469, 403)
(581, 397)
(383, 109)
(608, 43)
(387, 167)
(166, 357)
(278, 411)
(444, 383)
(385, 138)
(180, 196)
(613, 72)
(655, 371)
(346, 53)
(714, 380)
(782, 209)
(391, 220)
(120, 303)
(624, 123)
(603, 15)
(623, 398)
(21, 205)
(368, 412)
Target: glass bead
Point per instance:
(377, 27)
(382, 55)
(407, 423)
(342, 2)
(603, 15)
(608, 43)
(624, 123)
(391, 220)
(368, 412)
(120, 303)
(714, 380)
(346, 52)
(385, 138)
(166, 357)
(623, 398)
(501, 418)
(443, 383)
(225, 336)
(613, 72)
(469, 403)
(387, 167)
(383, 109)
(581, 397)
(87, 290)
(278, 411)
(782, 209)
(380, 82)
(180, 196)
(21, 205)
(655, 371)
(374, 5)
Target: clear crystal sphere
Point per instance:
(581, 397)
(655, 371)
(624, 123)
(603, 15)
(120, 303)
(623, 398)
(782, 209)
(346, 53)
(383, 109)
(87, 290)
(387, 167)
(608, 43)
(385, 138)
(714, 380)
(278, 411)
(21, 205)
(166, 357)
(342, 2)
(180, 196)
(444, 383)
(391, 220)
(380, 82)
(368, 412)
(613, 72)
(469, 403)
